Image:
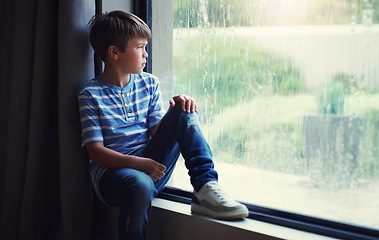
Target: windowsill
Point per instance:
(170, 210)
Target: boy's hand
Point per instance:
(187, 103)
(152, 168)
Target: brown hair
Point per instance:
(115, 28)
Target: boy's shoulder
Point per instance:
(93, 84)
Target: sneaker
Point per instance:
(211, 200)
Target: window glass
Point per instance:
(289, 100)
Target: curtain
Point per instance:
(45, 191)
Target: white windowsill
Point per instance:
(253, 227)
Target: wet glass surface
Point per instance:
(289, 101)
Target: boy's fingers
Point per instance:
(194, 106)
(158, 176)
(171, 102)
(188, 106)
(162, 168)
(183, 102)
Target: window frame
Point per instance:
(287, 219)
(144, 9)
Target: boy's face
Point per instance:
(133, 60)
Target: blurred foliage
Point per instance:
(230, 70)
(331, 100)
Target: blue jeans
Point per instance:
(133, 191)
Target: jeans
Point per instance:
(133, 191)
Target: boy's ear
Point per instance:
(113, 52)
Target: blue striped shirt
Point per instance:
(119, 117)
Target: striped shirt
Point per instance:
(119, 117)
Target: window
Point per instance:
(288, 94)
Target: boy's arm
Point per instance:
(112, 159)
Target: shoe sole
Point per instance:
(238, 214)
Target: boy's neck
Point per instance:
(115, 78)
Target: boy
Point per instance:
(132, 144)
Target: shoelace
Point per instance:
(216, 189)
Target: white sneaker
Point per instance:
(211, 200)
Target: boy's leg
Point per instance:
(132, 191)
(179, 132)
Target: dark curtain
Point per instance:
(45, 57)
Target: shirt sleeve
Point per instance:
(156, 111)
(89, 118)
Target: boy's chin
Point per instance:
(139, 71)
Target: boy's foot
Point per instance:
(211, 200)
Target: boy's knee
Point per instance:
(143, 187)
(177, 109)
(191, 117)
